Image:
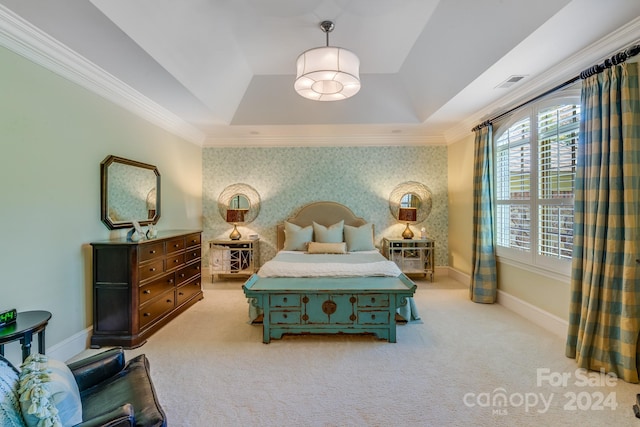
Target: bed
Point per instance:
(328, 277)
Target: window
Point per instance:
(535, 169)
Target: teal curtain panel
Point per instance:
(604, 317)
(484, 282)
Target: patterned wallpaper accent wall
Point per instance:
(361, 178)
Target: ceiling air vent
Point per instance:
(510, 81)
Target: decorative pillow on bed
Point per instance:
(331, 234)
(327, 248)
(296, 238)
(48, 393)
(359, 238)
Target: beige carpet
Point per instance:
(211, 368)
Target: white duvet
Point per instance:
(301, 264)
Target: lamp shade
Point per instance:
(235, 215)
(407, 214)
(327, 74)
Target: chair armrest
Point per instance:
(122, 416)
(97, 368)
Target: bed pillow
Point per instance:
(331, 234)
(359, 238)
(327, 248)
(48, 393)
(296, 238)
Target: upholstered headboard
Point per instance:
(324, 213)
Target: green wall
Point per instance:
(361, 178)
(54, 134)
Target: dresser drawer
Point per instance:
(175, 245)
(193, 239)
(155, 288)
(284, 300)
(284, 317)
(188, 290)
(151, 251)
(373, 300)
(186, 273)
(373, 317)
(151, 269)
(174, 261)
(156, 308)
(192, 254)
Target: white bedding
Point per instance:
(302, 264)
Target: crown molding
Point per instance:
(28, 41)
(572, 66)
(326, 141)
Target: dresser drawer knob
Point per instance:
(180, 293)
(169, 300)
(170, 281)
(147, 314)
(198, 267)
(177, 245)
(152, 252)
(352, 300)
(284, 315)
(373, 300)
(353, 317)
(152, 269)
(146, 291)
(195, 254)
(305, 299)
(284, 299)
(175, 261)
(305, 317)
(182, 275)
(373, 316)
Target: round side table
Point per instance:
(27, 323)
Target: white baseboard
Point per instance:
(458, 275)
(548, 321)
(70, 347)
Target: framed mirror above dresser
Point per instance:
(129, 191)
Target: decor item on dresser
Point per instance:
(100, 390)
(407, 215)
(129, 191)
(235, 216)
(315, 287)
(140, 286)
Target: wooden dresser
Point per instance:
(138, 287)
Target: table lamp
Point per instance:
(407, 215)
(235, 216)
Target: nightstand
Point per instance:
(234, 257)
(413, 256)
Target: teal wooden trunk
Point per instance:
(329, 305)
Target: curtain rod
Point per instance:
(616, 59)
